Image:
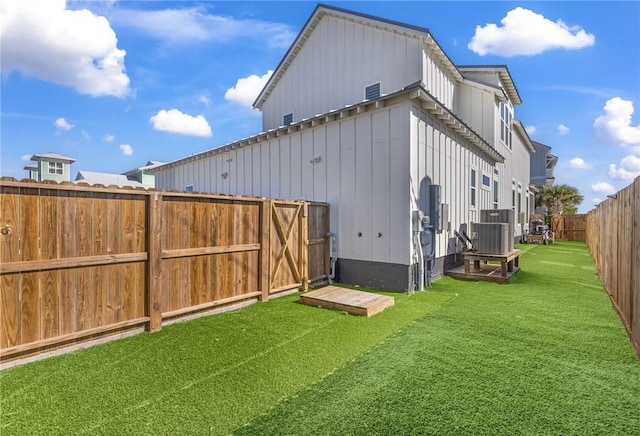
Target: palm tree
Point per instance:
(557, 198)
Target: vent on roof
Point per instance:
(372, 91)
(287, 119)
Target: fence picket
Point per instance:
(78, 262)
(613, 238)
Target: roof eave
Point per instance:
(448, 118)
(524, 135)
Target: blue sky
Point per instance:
(114, 84)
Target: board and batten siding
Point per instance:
(359, 165)
(339, 60)
(436, 80)
(440, 158)
(478, 108)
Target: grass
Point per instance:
(545, 354)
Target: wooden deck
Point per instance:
(477, 267)
(347, 300)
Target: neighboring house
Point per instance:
(56, 167)
(144, 174)
(107, 179)
(542, 165)
(373, 117)
(50, 166)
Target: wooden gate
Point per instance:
(287, 241)
(569, 227)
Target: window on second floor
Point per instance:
(506, 116)
(287, 119)
(55, 168)
(372, 91)
(473, 188)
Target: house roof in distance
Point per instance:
(106, 179)
(52, 156)
(149, 166)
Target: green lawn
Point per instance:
(545, 354)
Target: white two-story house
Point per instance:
(372, 117)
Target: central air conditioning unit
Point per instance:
(492, 238)
(505, 216)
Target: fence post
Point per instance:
(265, 249)
(304, 246)
(155, 284)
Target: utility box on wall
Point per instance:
(492, 238)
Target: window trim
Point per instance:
(506, 125)
(473, 184)
(487, 178)
(56, 168)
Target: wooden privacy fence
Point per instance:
(569, 227)
(613, 238)
(78, 262)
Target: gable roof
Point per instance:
(322, 10)
(503, 74)
(52, 156)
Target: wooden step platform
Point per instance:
(477, 266)
(347, 300)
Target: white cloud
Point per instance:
(126, 149)
(205, 100)
(562, 129)
(108, 138)
(578, 162)
(62, 124)
(175, 121)
(596, 200)
(629, 168)
(247, 89)
(26, 157)
(531, 130)
(614, 127)
(524, 32)
(85, 135)
(43, 39)
(603, 188)
(193, 25)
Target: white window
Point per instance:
(473, 187)
(55, 168)
(486, 181)
(506, 116)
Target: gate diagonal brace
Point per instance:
(284, 239)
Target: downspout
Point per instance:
(431, 257)
(333, 256)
